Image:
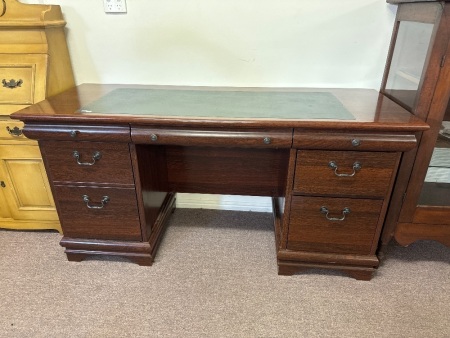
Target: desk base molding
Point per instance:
(357, 266)
(287, 268)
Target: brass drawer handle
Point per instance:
(345, 211)
(87, 200)
(12, 83)
(16, 131)
(4, 8)
(356, 167)
(95, 157)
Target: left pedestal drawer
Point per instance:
(107, 163)
(98, 213)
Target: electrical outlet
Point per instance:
(115, 6)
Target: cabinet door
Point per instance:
(25, 188)
(4, 210)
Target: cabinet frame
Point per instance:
(406, 220)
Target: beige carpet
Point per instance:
(215, 276)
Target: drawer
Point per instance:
(310, 230)
(305, 139)
(83, 215)
(254, 138)
(93, 162)
(67, 132)
(344, 173)
(22, 78)
(11, 130)
(16, 84)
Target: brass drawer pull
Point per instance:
(95, 157)
(154, 137)
(356, 166)
(4, 8)
(345, 211)
(267, 140)
(16, 131)
(12, 83)
(87, 200)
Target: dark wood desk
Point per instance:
(115, 174)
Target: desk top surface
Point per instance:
(311, 108)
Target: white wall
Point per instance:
(300, 43)
(325, 43)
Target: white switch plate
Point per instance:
(115, 6)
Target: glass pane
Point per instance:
(408, 60)
(436, 189)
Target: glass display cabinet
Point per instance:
(417, 76)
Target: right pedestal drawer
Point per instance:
(333, 225)
(344, 173)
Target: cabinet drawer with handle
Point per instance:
(16, 84)
(18, 74)
(98, 213)
(88, 162)
(333, 225)
(11, 130)
(349, 173)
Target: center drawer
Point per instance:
(254, 138)
(344, 173)
(98, 213)
(88, 162)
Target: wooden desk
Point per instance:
(115, 174)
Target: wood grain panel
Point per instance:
(407, 233)
(309, 230)
(313, 174)
(151, 183)
(234, 171)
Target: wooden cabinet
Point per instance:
(34, 64)
(417, 77)
(25, 186)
